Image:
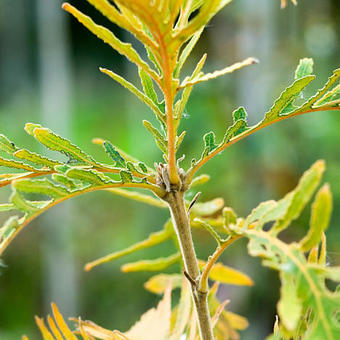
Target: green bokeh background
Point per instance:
(265, 166)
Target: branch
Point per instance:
(249, 132)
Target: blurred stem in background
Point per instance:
(55, 103)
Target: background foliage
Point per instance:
(263, 167)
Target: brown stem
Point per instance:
(181, 224)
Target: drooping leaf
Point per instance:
(152, 240)
(151, 265)
(321, 212)
(301, 195)
(158, 283)
(227, 275)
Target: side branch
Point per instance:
(25, 220)
(259, 126)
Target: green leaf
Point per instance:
(140, 95)
(289, 306)
(305, 68)
(313, 100)
(179, 140)
(114, 154)
(35, 158)
(152, 240)
(321, 212)
(151, 265)
(143, 167)
(60, 144)
(41, 186)
(208, 208)
(239, 113)
(186, 52)
(109, 38)
(25, 205)
(209, 141)
(6, 145)
(301, 195)
(199, 180)
(234, 130)
(148, 86)
(92, 177)
(17, 165)
(180, 107)
(159, 138)
(8, 228)
(6, 207)
(286, 98)
(62, 179)
(126, 176)
(259, 212)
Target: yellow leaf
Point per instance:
(155, 322)
(224, 274)
(158, 283)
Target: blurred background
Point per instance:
(49, 75)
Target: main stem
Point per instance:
(181, 224)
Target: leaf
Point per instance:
(305, 68)
(8, 163)
(289, 306)
(35, 158)
(209, 208)
(152, 240)
(186, 52)
(321, 212)
(92, 177)
(179, 108)
(155, 321)
(62, 324)
(179, 140)
(26, 206)
(239, 113)
(60, 144)
(227, 275)
(148, 86)
(216, 74)
(137, 196)
(157, 284)
(151, 265)
(62, 179)
(6, 207)
(301, 195)
(330, 82)
(259, 212)
(109, 38)
(6, 145)
(141, 96)
(143, 167)
(286, 98)
(41, 186)
(234, 129)
(125, 176)
(183, 311)
(209, 141)
(160, 140)
(114, 154)
(199, 180)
